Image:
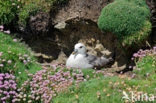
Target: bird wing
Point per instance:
(96, 61)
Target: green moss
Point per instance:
(124, 17)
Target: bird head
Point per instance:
(79, 49)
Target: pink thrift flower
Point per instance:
(135, 54)
(7, 76)
(1, 54)
(1, 65)
(15, 40)
(1, 78)
(13, 77)
(2, 74)
(139, 69)
(9, 61)
(3, 60)
(25, 55)
(7, 32)
(9, 51)
(25, 62)
(1, 27)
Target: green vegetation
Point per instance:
(20, 10)
(127, 19)
(110, 89)
(146, 64)
(123, 18)
(25, 81)
(136, 40)
(16, 58)
(141, 3)
(95, 86)
(31, 7)
(24, 14)
(9, 10)
(104, 90)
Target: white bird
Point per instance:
(80, 59)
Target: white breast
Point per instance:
(78, 62)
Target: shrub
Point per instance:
(9, 9)
(141, 3)
(124, 17)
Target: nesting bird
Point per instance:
(80, 59)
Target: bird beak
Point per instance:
(75, 51)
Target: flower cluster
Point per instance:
(47, 83)
(143, 58)
(7, 87)
(10, 62)
(142, 53)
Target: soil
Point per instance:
(81, 9)
(152, 6)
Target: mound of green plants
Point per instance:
(15, 57)
(141, 3)
(126, 19)
(136, 40)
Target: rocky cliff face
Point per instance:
(56, 34)
(50, 34)
(88, 9)
(56, 47)
(152, 6)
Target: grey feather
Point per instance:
(98, 62)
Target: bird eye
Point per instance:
(80, 46)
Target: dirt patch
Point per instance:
(88, 9)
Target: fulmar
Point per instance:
(81, 59)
